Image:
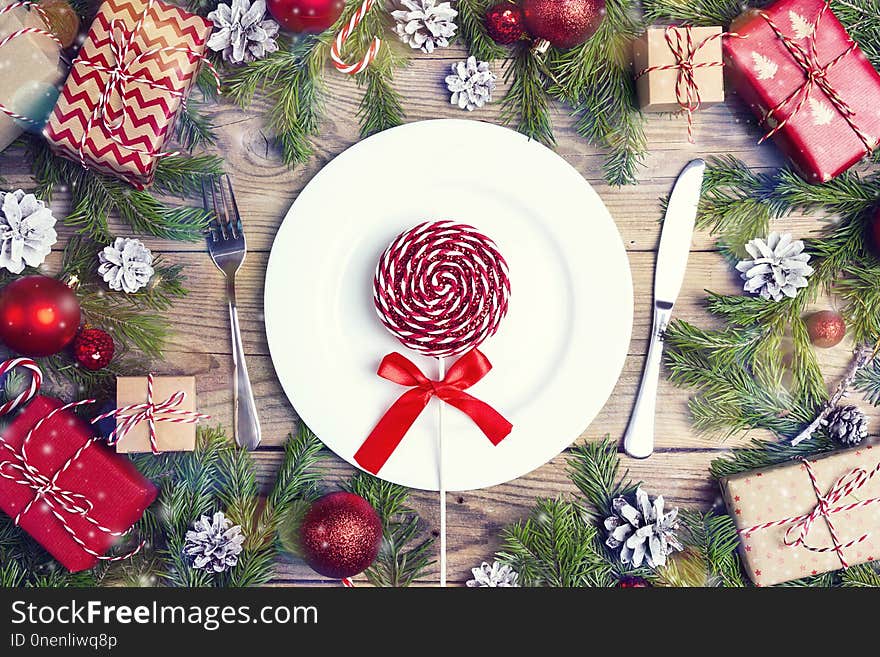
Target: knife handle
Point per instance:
(638, 441)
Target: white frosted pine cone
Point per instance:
(27, 231)
(213, 543)
(425, 24)
(471, 84)
(778, 267)
(126, 265)
(497, 575)
(242, 31)
(642, 533)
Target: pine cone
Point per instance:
(642, 534)
(471, 84)
(425, 24)
(496, 575)
(126, 265)
(214, 543)
(243, 33)
(27, 231)
(847, 425)
(778, 269)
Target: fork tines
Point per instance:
(219, 198)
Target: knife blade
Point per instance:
(672, 258)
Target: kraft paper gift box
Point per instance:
(785, 491)
(170, 436)
(30, 70)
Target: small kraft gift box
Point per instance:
(811, 87)
(133, 73)
(71, 493)
(30, 69)
(807, 517)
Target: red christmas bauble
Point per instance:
(564, 23)
(826, 328)
(633, 583)
(93, 349)
(340, 535)
(306, 15)
(39, 316)
(505, 23)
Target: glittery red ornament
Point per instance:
(306, 15)
(633, 583)
(564, 23)
(340, 535)
(93, 349)
(826, 328)
(39, 315)
(504, 23)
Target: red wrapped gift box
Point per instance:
(108, 484)
(814, 91)
(134, 70)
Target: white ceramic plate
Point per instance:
(557, 355)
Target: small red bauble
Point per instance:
(564, 23)
(39, 315)
(504, 23)
(340, 535)
(93, 349)
(633, 583)
(826, 328)
(306, 15)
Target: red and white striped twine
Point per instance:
(26, 4)
(336, 48)
(165, 411)
(17, 467)
(442, 288)
(801, 525)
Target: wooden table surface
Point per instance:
(265, 189)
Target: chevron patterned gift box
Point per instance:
(125, 88)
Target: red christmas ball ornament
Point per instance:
(633, 583)
(306, 15)
(826, 328)
(340, 535)
(505, 23)
(39, 315)
(563, 23)
(93, 349)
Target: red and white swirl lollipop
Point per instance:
(442, 288)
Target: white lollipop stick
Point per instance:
(441, 366)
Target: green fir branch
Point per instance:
(765, 453)
(526, 105)
(193, 129)
(405, 553)
(693, 12)
(593, 468)
(715, 539)
(862, 576)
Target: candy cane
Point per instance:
(30, 392)
(342, 37)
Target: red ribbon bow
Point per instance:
(391, 429)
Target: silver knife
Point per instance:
(672, 257)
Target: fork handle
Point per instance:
(247, 425)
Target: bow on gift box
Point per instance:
(26, 4)
(123, 71)
(151, 412)
(815, 75)
(800, 526)
(390, 430)
(18, 468)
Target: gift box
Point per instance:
(665, 81)
(97, 495)
(804, 518)
(173, 398)
(30, 70)
(809, 84)
(115, 115)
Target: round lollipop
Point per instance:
(442, 288)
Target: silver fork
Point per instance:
(228, 248)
